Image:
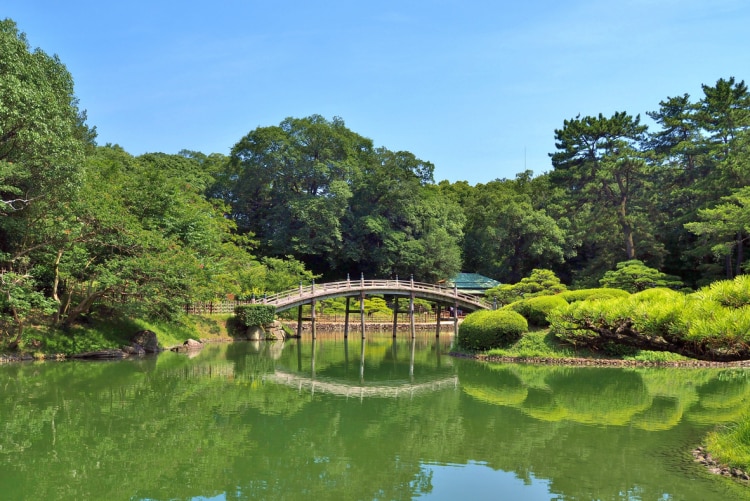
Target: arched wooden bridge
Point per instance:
(311, 294)
(360, 288)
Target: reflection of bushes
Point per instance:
(601, 396)
(718, 394)
(494, 384)
(505, 396)
(648, 399)
(664, 414)
(542, 405)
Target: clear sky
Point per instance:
(475, 87)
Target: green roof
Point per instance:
(472, 281)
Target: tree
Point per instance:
(398, 222)
(42, 132)
(724, 113)
(598, 162)
(506, 236)
(725, 228)
(540, 282)
(18, 298)
(291, 185)
(634, 276)
(699, 156)
(43, 139)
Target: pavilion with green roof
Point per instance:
(471, 283)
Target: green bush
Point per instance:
(252, 315)
(634, 276)
(592, 294)
(536, 309)
(484, 330)
(661, 319)
(729, 293)
(538, 283)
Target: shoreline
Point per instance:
(603, 362)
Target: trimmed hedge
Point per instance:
(591, 294)
(536, 309)
(484, 330)
(700, 325)
(253, 315)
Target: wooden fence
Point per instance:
(227, 307)
(214, 307)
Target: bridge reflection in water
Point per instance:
(397, 385)
(440, 295)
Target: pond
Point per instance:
(346, 419)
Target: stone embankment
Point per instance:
(605, 362)
(703, 457)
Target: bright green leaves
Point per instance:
(42, 134)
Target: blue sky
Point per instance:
(475, 87)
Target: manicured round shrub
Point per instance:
(253, 315)
(484, 330)
(536, 309)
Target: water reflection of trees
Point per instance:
(176, 428)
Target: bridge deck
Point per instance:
(306, 294)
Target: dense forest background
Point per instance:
(82, 223)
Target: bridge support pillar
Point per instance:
(437, 324)
(411, 314)
(362, 313)
(312, 317)
(455, 319)
(346, 317)
(395, 315)
(299, 321)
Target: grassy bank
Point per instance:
(42, 341)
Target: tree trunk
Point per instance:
(740, 252)
(728, 265)
(56, 282)
(82, 307)
(627, 229)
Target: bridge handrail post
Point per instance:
(362, 279)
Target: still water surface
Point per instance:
(381, 419)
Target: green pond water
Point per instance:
(346, 420)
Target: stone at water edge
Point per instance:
(147, 339)
(256, 333)
(192, 344)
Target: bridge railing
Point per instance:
(310, 291)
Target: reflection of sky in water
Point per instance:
(455, 481)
